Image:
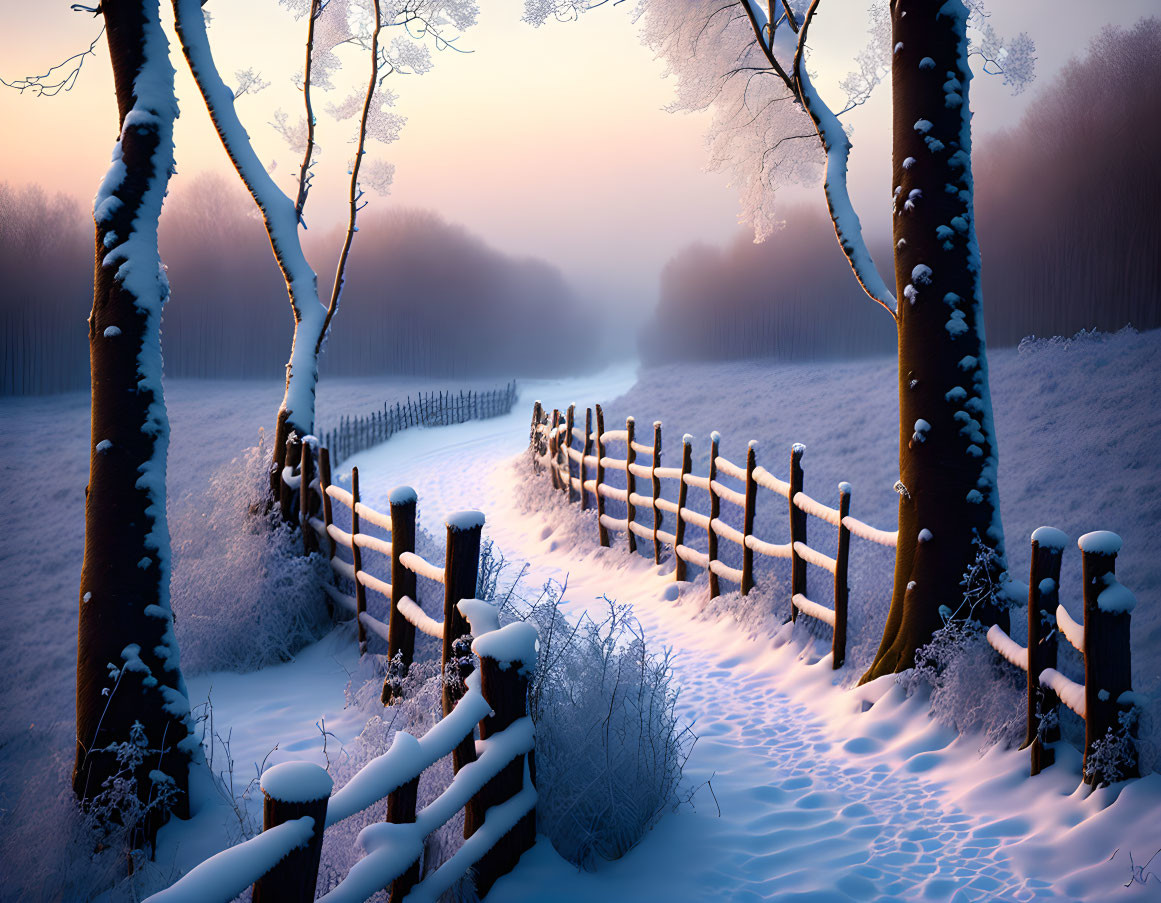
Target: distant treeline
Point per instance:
(422, 296)
(1066, 209)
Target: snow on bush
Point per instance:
(973, 690)
(609, 747)
(244, 596)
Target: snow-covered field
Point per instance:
(800, 788)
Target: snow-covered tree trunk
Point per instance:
(947, 445)
(127, 659)
(281, 217)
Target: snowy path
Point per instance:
(818, 800)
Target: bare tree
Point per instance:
(330, 24)
(748, 61)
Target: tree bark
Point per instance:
(127, 661)
(947, 447)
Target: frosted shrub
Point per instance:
(244, 596)
(1114, 756)
(972, 688)
(609, 748)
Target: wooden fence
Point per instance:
(486, 672)
(353, 434)
(1105, 701)
(554, 439)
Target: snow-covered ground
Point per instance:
(801, 788)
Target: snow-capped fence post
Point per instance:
(400, 631)
(461, 571)
(656, 481)
(1043, 598)
(553, 442)
(401, 805)
(504, 683)
(285, 490)
(586, 450)
(308, 499)
(630, 483)
(715, 511)
(569, 422)
(748, 518)
(602, 530)
(357, 560)
(1107, 664)
(797, 529)
(291, 791)
(679, 567)
(841, 590)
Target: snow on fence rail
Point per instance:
(552, 439)
(353, 434)
(490, 668)
(1105, 700)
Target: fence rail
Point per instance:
(1105, 700)
(552, 438)
(486, 671)
(354, 434)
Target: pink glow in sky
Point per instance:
(550, 142)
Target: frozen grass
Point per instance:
(1080, 449)
(243, 593)
(609, 745)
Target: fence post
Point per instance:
(285, 493)
(841, 590)
(714, 512)
(290, 791)
(400, 631)
(505, 687)
(461, 570)
(679, 568)
(324, 480)
(1043, 599)
(630, 482)
(797, 529)
(602, 530)
(569, 420)
(553, 463)
(357, 560)
(656, 481)
(1107, 668)
(307, 500)
(401, 805)
(748, 517)
(586, 450)
(534, 435)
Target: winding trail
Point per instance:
(824, 794)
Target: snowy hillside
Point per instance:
(811, 795)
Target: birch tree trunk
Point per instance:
(947, 446)
(127, 658)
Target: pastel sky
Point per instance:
(550, 142)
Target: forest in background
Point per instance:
(422, 297)
(1060, 250)
(426, 297)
